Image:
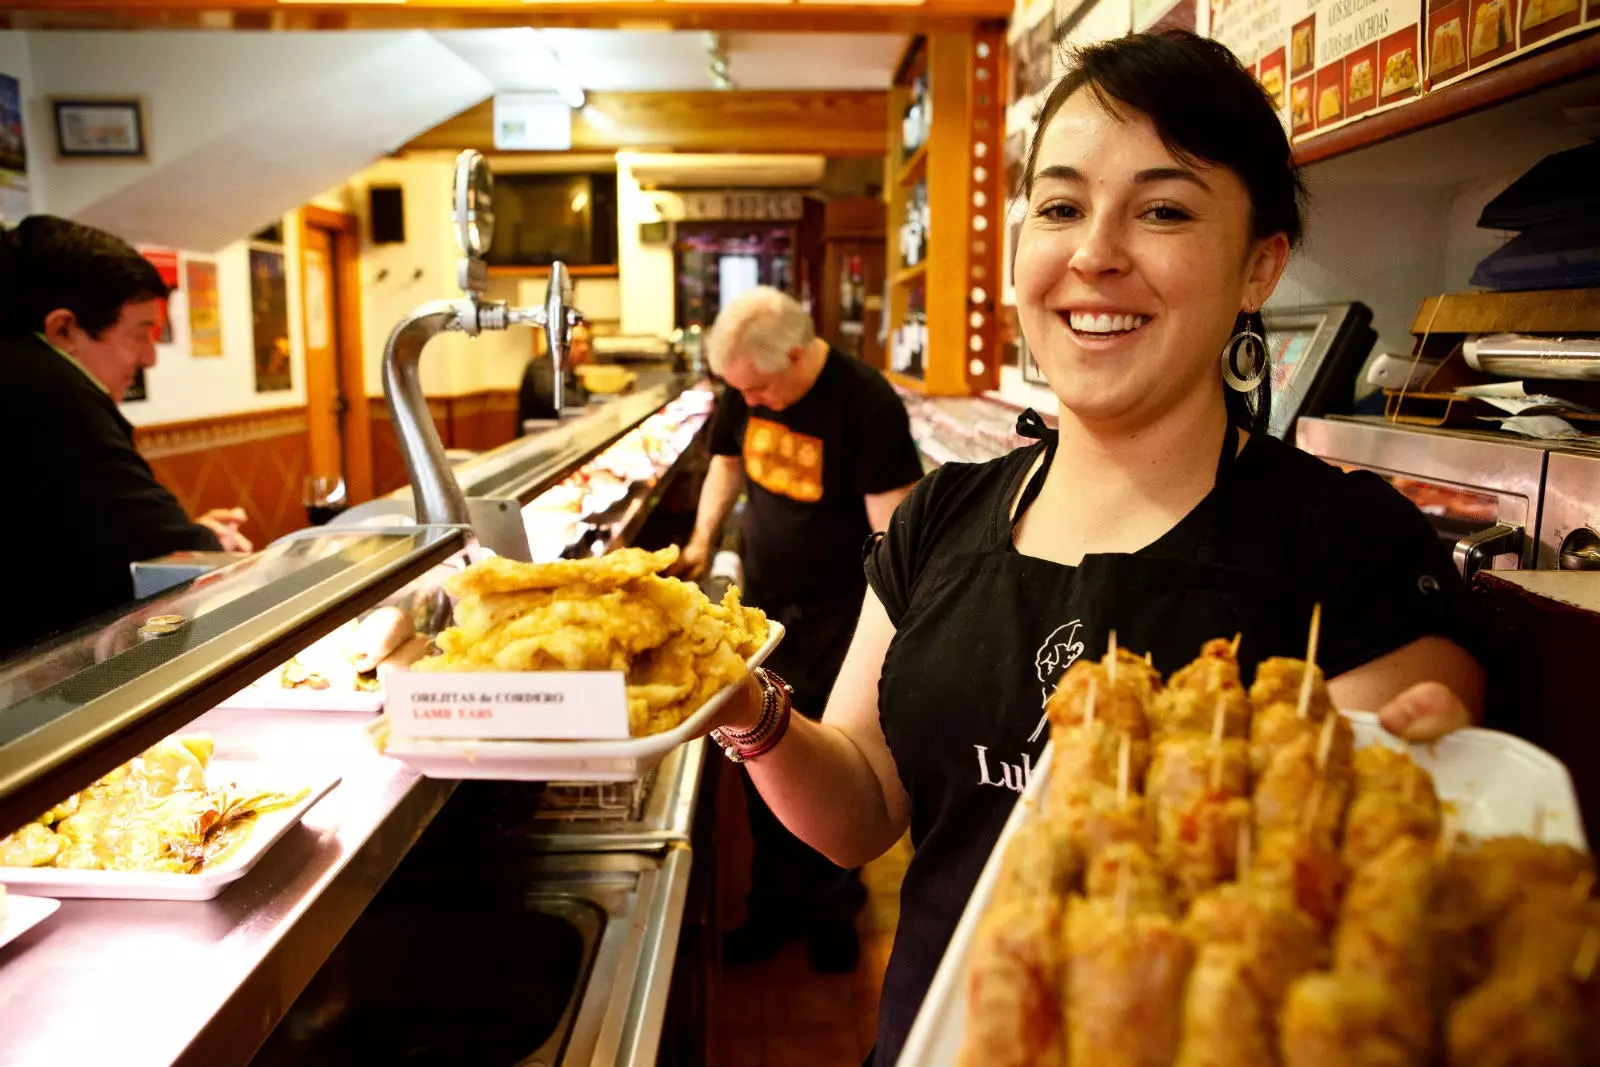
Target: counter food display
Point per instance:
(115, 755)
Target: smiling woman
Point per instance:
(1162, 203)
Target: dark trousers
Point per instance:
(792, 883)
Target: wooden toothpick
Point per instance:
(1588, 956)
(1124, 768)
(1111, 654)
(1233, 648)
(1303, 708)
(1325, 742)
(1149, 660)
(1219, 719)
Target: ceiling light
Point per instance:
(551, 69)
(580, 202)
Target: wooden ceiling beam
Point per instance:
(823, 122)
(811, 16)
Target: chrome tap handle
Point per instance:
(559, 319)
(435, 493)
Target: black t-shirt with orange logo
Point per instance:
(808, 469)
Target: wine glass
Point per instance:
(324, 498)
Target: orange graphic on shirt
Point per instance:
(782, 461)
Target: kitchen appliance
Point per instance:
(1481, 491)
(1569, 515)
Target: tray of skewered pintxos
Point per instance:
(1203, 874)
(666, 657)
(170, 824)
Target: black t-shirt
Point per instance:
(85, 504)
(982, 634)
(536, 396)
(807, 471)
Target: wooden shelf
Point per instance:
(609, 271)
(1565, 61)
(913, 166)
(911, 274)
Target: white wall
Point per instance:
(649, 299)
(181, 387)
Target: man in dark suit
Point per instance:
(78, 314)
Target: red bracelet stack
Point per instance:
(742, 746)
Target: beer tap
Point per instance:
(435, 492)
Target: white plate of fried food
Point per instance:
(340, 672)
(681, 656)
(19, 914)
(1291, 888)
(170, 824)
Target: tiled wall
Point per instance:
(258, 461)
(476, 421)
(255, 461)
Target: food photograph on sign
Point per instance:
(1043, 52)
(1303, 47)
(1397, 58)
(1361, 80)
(1543, 19)
(1493, 31)
(1271, 74)
(1447, 43)
(1300, 119)
(1330, 94)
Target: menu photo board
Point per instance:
(1468, 36)
(1364, 57)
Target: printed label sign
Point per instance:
(526, 706)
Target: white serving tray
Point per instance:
(23, 914)
(209, 883)
(1496, 783)
(618, 760)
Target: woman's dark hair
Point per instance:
(1208, 109)
(48, 263)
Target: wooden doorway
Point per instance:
(339, 434)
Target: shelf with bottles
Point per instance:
(914, 225)
(908, 341)
(942, 188)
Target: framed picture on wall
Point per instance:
(269, 303)
(100, 128)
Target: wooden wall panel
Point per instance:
(476, 422)
(829, 122)
(255, 461)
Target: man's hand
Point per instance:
(1425, 712)
(692, 562)
(225, 523)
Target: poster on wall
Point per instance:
(14, 199)
(205, 308)
(165, 261)
(269, 303)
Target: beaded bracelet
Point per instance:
(741, 746)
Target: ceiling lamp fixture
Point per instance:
(717, 51)
(551, 70)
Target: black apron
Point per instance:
(981, 646)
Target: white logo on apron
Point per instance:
(1059, 651)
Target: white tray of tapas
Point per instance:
(1488, 785)
(185, 843)
(573, 670)
(19, 914)
(578, 760)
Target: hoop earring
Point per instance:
(1244, 381)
